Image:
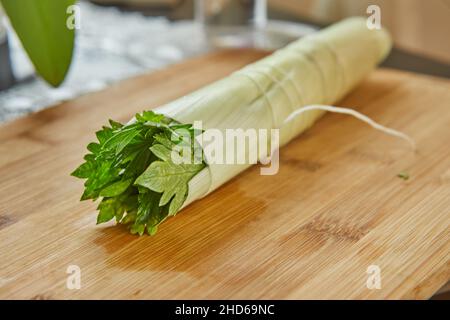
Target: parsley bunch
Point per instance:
(131, 169)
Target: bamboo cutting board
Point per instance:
(335, 208)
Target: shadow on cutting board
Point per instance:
(182, 242)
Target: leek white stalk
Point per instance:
(319, 69)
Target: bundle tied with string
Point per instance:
(314, 71)
(134, 169)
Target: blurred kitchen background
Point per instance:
(123, 38)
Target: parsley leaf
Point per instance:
(170, 179)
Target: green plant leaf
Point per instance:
(116, 188)
(171, 180)
(42, 28)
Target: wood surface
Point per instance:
(311, 231)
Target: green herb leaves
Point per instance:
(168, 178)
(132, 168)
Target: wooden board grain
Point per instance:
(335, 208)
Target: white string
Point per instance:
(277, 82)
(261, 91)
(328, 108)
(355, 114)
